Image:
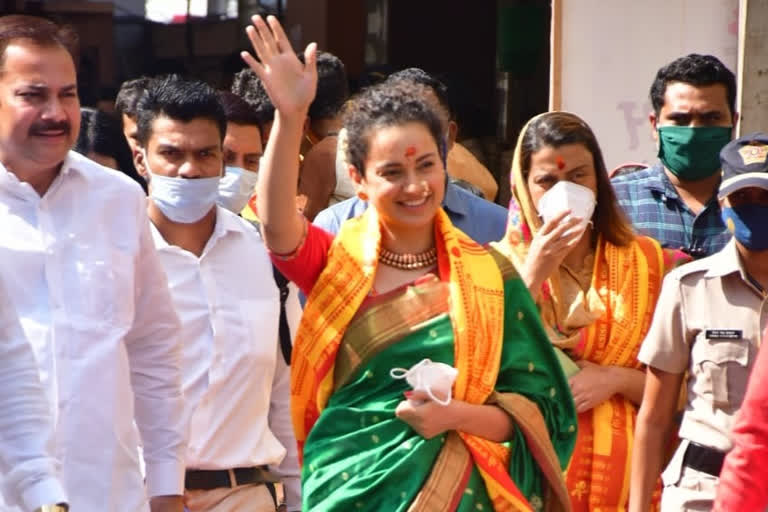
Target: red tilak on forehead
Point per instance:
(560, 162)
(410, 151)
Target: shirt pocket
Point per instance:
(260, 319)
(105, 294)
(716, 363)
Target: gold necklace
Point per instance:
(407, 261)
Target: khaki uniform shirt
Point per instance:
(708, 320)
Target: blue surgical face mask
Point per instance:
(748, 224)
(236, 188)
(182, 200)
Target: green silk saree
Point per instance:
(359, 456)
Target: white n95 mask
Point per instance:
(429, 377)
(182, 200)
(236, 188)
(567, 195)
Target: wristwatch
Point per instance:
(59, 507)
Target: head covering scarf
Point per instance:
(562, 317)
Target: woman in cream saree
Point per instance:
(397, 286)
(596, 292)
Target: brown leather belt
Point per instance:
(205, 480)
(704, 459)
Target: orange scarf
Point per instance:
(477, 298)
(605, 325)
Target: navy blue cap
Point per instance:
(744, 163)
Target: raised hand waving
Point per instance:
(291, 84)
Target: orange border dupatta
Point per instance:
(605, 325)
(477, 298)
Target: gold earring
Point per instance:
(362, 196)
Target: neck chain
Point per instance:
(424, 259)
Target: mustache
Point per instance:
(64, 126)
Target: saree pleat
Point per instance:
(443, 490)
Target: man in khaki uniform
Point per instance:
(708, 323)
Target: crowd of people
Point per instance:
(286, 297)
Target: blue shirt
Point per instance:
(654, 207)
(481, 220)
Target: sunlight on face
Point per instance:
(404, 176)
(39, 106)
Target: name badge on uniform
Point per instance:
(723, 334)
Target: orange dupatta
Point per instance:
(605, 325)
(477, 298)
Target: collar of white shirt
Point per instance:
(226, 223)
(72, 164)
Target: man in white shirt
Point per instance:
(81, 270)
(236, 381)
(25, 422)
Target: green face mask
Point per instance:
(692, 153)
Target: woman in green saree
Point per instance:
(397, 286)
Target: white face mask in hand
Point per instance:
(236, 188)
(431, 378)
(567, 195)
(182, 200)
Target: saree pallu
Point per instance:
(616, 312)
(359, 456)
(604, 324)
(493, 327)
(617, 308)
(625, 285)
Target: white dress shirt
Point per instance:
(236, 382)
(83, 274)
(26, 432)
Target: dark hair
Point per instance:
(236, 109)
(39, 31)
(387, 104)
(332, 87)
(249, 87)
(555, 129)
(180, 100)
(419, 76)
(100, 133)
(129, 94)
(694, 69)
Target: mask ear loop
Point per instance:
(402, 373)
(435, 399)
(399, 373)
(145, 157)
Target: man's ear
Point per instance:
(138, 162)
(453, 131)
(736, 118)
(653, 120)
